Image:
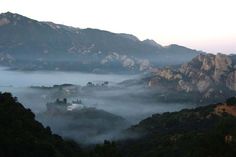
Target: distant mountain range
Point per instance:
(32, 45)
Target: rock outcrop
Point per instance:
(208, 75)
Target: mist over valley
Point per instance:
(85, 92)
(36, 89)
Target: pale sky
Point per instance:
(208, 25)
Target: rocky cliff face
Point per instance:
(208, 75)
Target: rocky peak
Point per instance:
(129, 36)
(10, 16)
(209, 75)
(7, 14)
(14, 19)
(200, 62)
(214, 65)
(151, 42)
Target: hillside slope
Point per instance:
(204, 131)
(22, 136)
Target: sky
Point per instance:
(208, 25)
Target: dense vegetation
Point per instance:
(203, 131)
(22, 136)
(188, 133)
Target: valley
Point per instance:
(36, 89)
(85, 92)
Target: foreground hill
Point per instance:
(22, 136)
(204, 131)
(29, 44)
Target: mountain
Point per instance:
(206, 78)
(22, 136)
(32, 45)
(204, 131)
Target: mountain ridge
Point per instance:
(45, 45)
